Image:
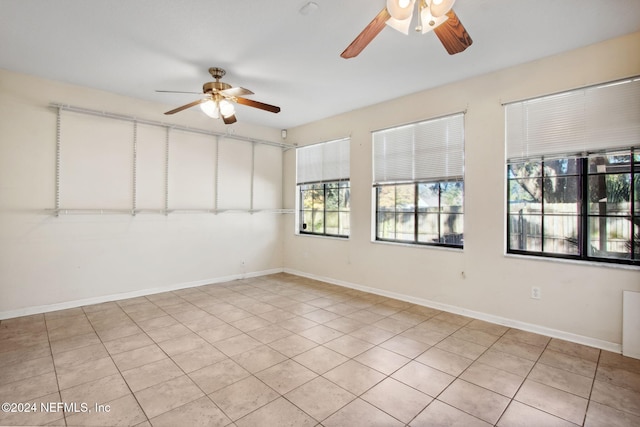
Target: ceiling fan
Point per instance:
(219, 98)
(436, 15)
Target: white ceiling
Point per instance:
(134, 47)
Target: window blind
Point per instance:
(323, 162)
(429, 150)
(575, 123)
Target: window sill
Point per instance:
(321, 236)
(574, 262)
(411, 245)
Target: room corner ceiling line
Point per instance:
(81, 110)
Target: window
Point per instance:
(324, 189)
(573, 189)
(419, 183)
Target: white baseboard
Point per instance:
(27, 311)
(553, 333)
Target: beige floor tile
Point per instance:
(285, 376)
(10, 355)
(425, 335)
(404, 346)
(292, 345)
(35, 417)
(138, 357)
(397, 399)
(321, 334)
(424, 378)
(359, 413)
(198, 358)
(452, 364)
(279, 413)
(530, 338)
(476, 336)
(518, 348)
(491, 328)
(118, 331)
(321, 316)
(320, 359)
(349, 346)
(521, 415)
(453, 318)
(494, 379)
(294, 330)
(600, 415)
(572, 349)
(462, 347)
(200, 412)
(79, 374)
(29, 388)
(475, 400)
(219, 375)
(237, 344)
(365, 316)
(409, 317)
(201, 323)
(75, 342)
(620, 398)
(163, 321)
(243, 397)
(297, 324)
(269, 333)
(507, 362)
(320, 398)
(181, 344)
(219, 333)
(173, 331)
(26, 369)
(80, 355)
(568, 362)
(344, 324)
(123, 411)
(259, 358)
(151, 374)
(619, 377)
(250, 323)
(99, 391)
(618, 360)
(382, 360)
(556, 402)
(168, 395)
(278, 315)
(441, 414)
(393, 325)
(561, 379)
(354, 377)
(372, 334)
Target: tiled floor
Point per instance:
(284, 350)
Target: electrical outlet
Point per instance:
(535, 292)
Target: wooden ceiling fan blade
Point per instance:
(256, 104)
(368, 34)
(235, 91)
(189, 105)
(229, 119)
(453, 35)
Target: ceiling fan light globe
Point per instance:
(226, 108)
(210, 109)
(440, 8)
(400, 9)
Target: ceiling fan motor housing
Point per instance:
(211, 87)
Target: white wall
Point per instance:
(51, 262)
(580, 302)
